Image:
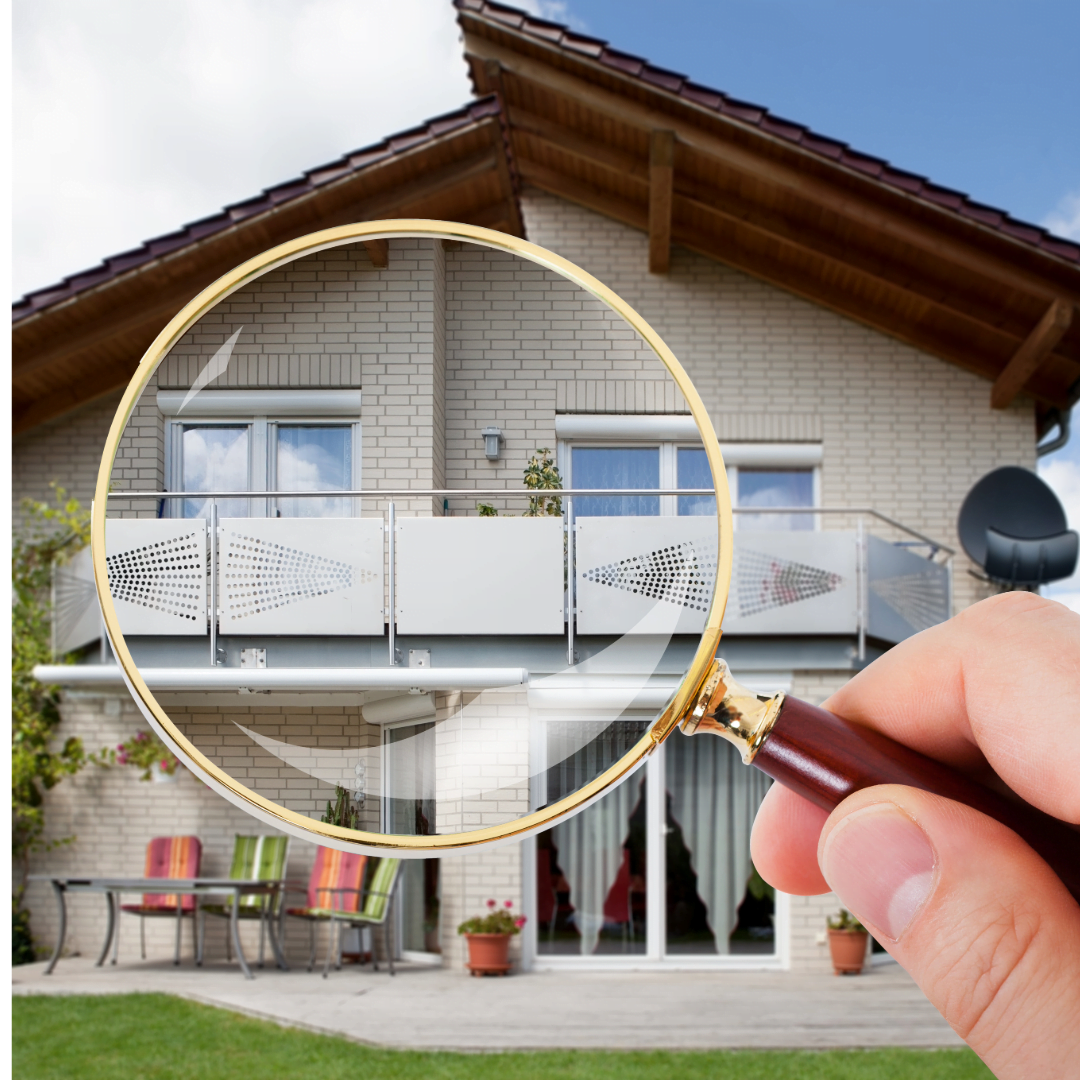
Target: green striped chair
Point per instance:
(376, 912)
(255, 858)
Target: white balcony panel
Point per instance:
(157, 575)
(479, 576)
(651, 575)
(793, 583)
(300, 576)
(907, 592)
(76, 616)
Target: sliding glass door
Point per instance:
(659, 869)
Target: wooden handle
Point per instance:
(824, 759)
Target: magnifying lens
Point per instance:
(384, 560)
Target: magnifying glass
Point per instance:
(412, 536)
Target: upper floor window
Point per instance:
(222, 443)
(759, 475)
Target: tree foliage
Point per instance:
(53, 534)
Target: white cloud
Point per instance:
(134, 118)
(1064, 219)
(1062, 472)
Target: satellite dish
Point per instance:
(1014, 527)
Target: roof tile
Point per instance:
(760, 117)
(111, 267)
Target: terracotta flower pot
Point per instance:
(848, 949)
(488, 954)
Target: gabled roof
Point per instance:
(84, 336)
(743, 112)
(691, 166)
(725, 178)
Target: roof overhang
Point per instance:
(692, 167)
(84, 338)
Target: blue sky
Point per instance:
(132, 118)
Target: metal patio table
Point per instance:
(113, 889)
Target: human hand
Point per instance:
(986, 928)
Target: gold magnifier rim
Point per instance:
(289, 820)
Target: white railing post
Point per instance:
(570, 582)
(213, 582)
(861, 587)
(391, 576)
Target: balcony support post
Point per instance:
(570, 582)
(213, 582)
(391, 578)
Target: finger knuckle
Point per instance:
(985, 972)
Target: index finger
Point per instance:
(996, 685)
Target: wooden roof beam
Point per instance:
(378, 252)
(661, 199)
(798, 182)
(1032, 353)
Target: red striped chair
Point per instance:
(334, 887)
(166, 857)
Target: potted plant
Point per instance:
(489, 938)
(847, 944)
(146, 751)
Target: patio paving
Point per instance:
(427, 1008)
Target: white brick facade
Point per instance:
(901, 431)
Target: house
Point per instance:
(865, 342)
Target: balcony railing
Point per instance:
(502, 576)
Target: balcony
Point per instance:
(489, 583)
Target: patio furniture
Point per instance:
(114, 888)
(260, 858)
(335, 884)
(166, 857)
(376, 912)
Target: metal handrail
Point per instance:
(528, 493)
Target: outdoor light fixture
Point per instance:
(492, 437)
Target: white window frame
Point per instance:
(261, 412)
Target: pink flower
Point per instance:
(508, 903)
(141, 737)
(491, 903)
(519, 922)
(122, 758)
(120, 746)
(163, 765)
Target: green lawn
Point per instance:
(157, 1037)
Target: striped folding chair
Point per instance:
(333, 888)
(376, 912)
(255, 858)
(166, 857)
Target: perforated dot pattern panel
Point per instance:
(262, 575)
(764, 582)
(681, 574)
(166, 576)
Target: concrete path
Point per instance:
(425, 1008)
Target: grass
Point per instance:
(158, 1037)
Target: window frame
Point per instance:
(776, 457)
(262, 454)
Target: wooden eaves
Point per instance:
(84, 337)
(961, 281)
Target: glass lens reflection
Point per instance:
(405, 662)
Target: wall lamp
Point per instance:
(492, 438)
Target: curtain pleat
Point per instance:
(714, 798)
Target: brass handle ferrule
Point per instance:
(729, 710)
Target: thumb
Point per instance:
(987, 930)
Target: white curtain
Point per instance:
(590, 853)
(714, 798)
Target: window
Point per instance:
(772, 487)
(264, 454)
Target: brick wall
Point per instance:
(901, 431)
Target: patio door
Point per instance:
(659, 870)
(409, 808)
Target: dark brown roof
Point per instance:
(697, 169)
(271, 198)
(743, 112)
(84, 337)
